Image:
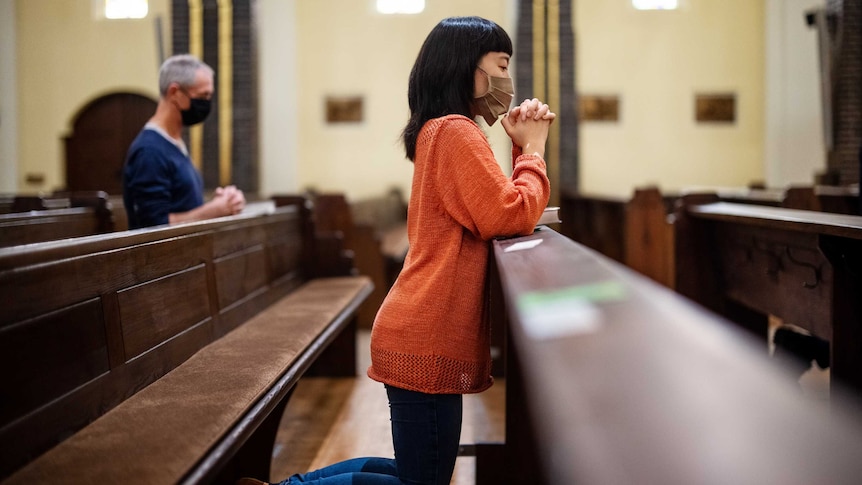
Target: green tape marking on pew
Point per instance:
(566, 312)
(595, 293)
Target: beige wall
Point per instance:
(310, 49)
(66, 58)
(362, 53)
(8, 100)
(278, 117)
(795, 148)
(656, 62)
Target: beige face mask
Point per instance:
(497, 100)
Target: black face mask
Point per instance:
(198, 111)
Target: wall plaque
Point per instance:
(343, 109)
(599, 108)
(715, 108)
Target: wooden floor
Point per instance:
(332, 419)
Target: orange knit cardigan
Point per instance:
(431, 333)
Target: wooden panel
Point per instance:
(846, 258)
(239, 275)
(237, 239)
(93, 274)
(649, 236)
(597, 222)
(153, 312)
(774, 261)
(72, 351)
(778, 273)
(284, 257)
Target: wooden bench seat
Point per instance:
(90, 322)
(182, 426)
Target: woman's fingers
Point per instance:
(541, 111)
(528, 108)
(531, 109)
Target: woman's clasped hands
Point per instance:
(527, 125)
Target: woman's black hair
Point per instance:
(442, 79)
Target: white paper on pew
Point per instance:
(259, 208)
(519, 246)
(561, 319)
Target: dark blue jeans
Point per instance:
(426, 430)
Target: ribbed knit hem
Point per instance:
(431, 374)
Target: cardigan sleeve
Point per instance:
(475, 192)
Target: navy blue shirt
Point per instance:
(158, 179)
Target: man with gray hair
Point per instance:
(160, 183)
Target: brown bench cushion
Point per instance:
(160, 433)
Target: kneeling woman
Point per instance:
(430, 343)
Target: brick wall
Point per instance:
(245, 127)
(846, 32)
(563, 159)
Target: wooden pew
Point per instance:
(165, 355)
(118, 210)
(45, 218)
(614, 379)
(387, 216)
(375, 230)
(747, 262)
(636, 231)
(832, 199)
(595, 221)
(6, 203)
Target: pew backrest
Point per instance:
(61, 215)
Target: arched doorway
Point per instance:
(101, 134)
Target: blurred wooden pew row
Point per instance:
(637, 231)
(746, 261)
(39, 218)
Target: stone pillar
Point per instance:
(228, 45)
(545, 60)
(844, 18)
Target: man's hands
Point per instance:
(230, 200)
(226, 201)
